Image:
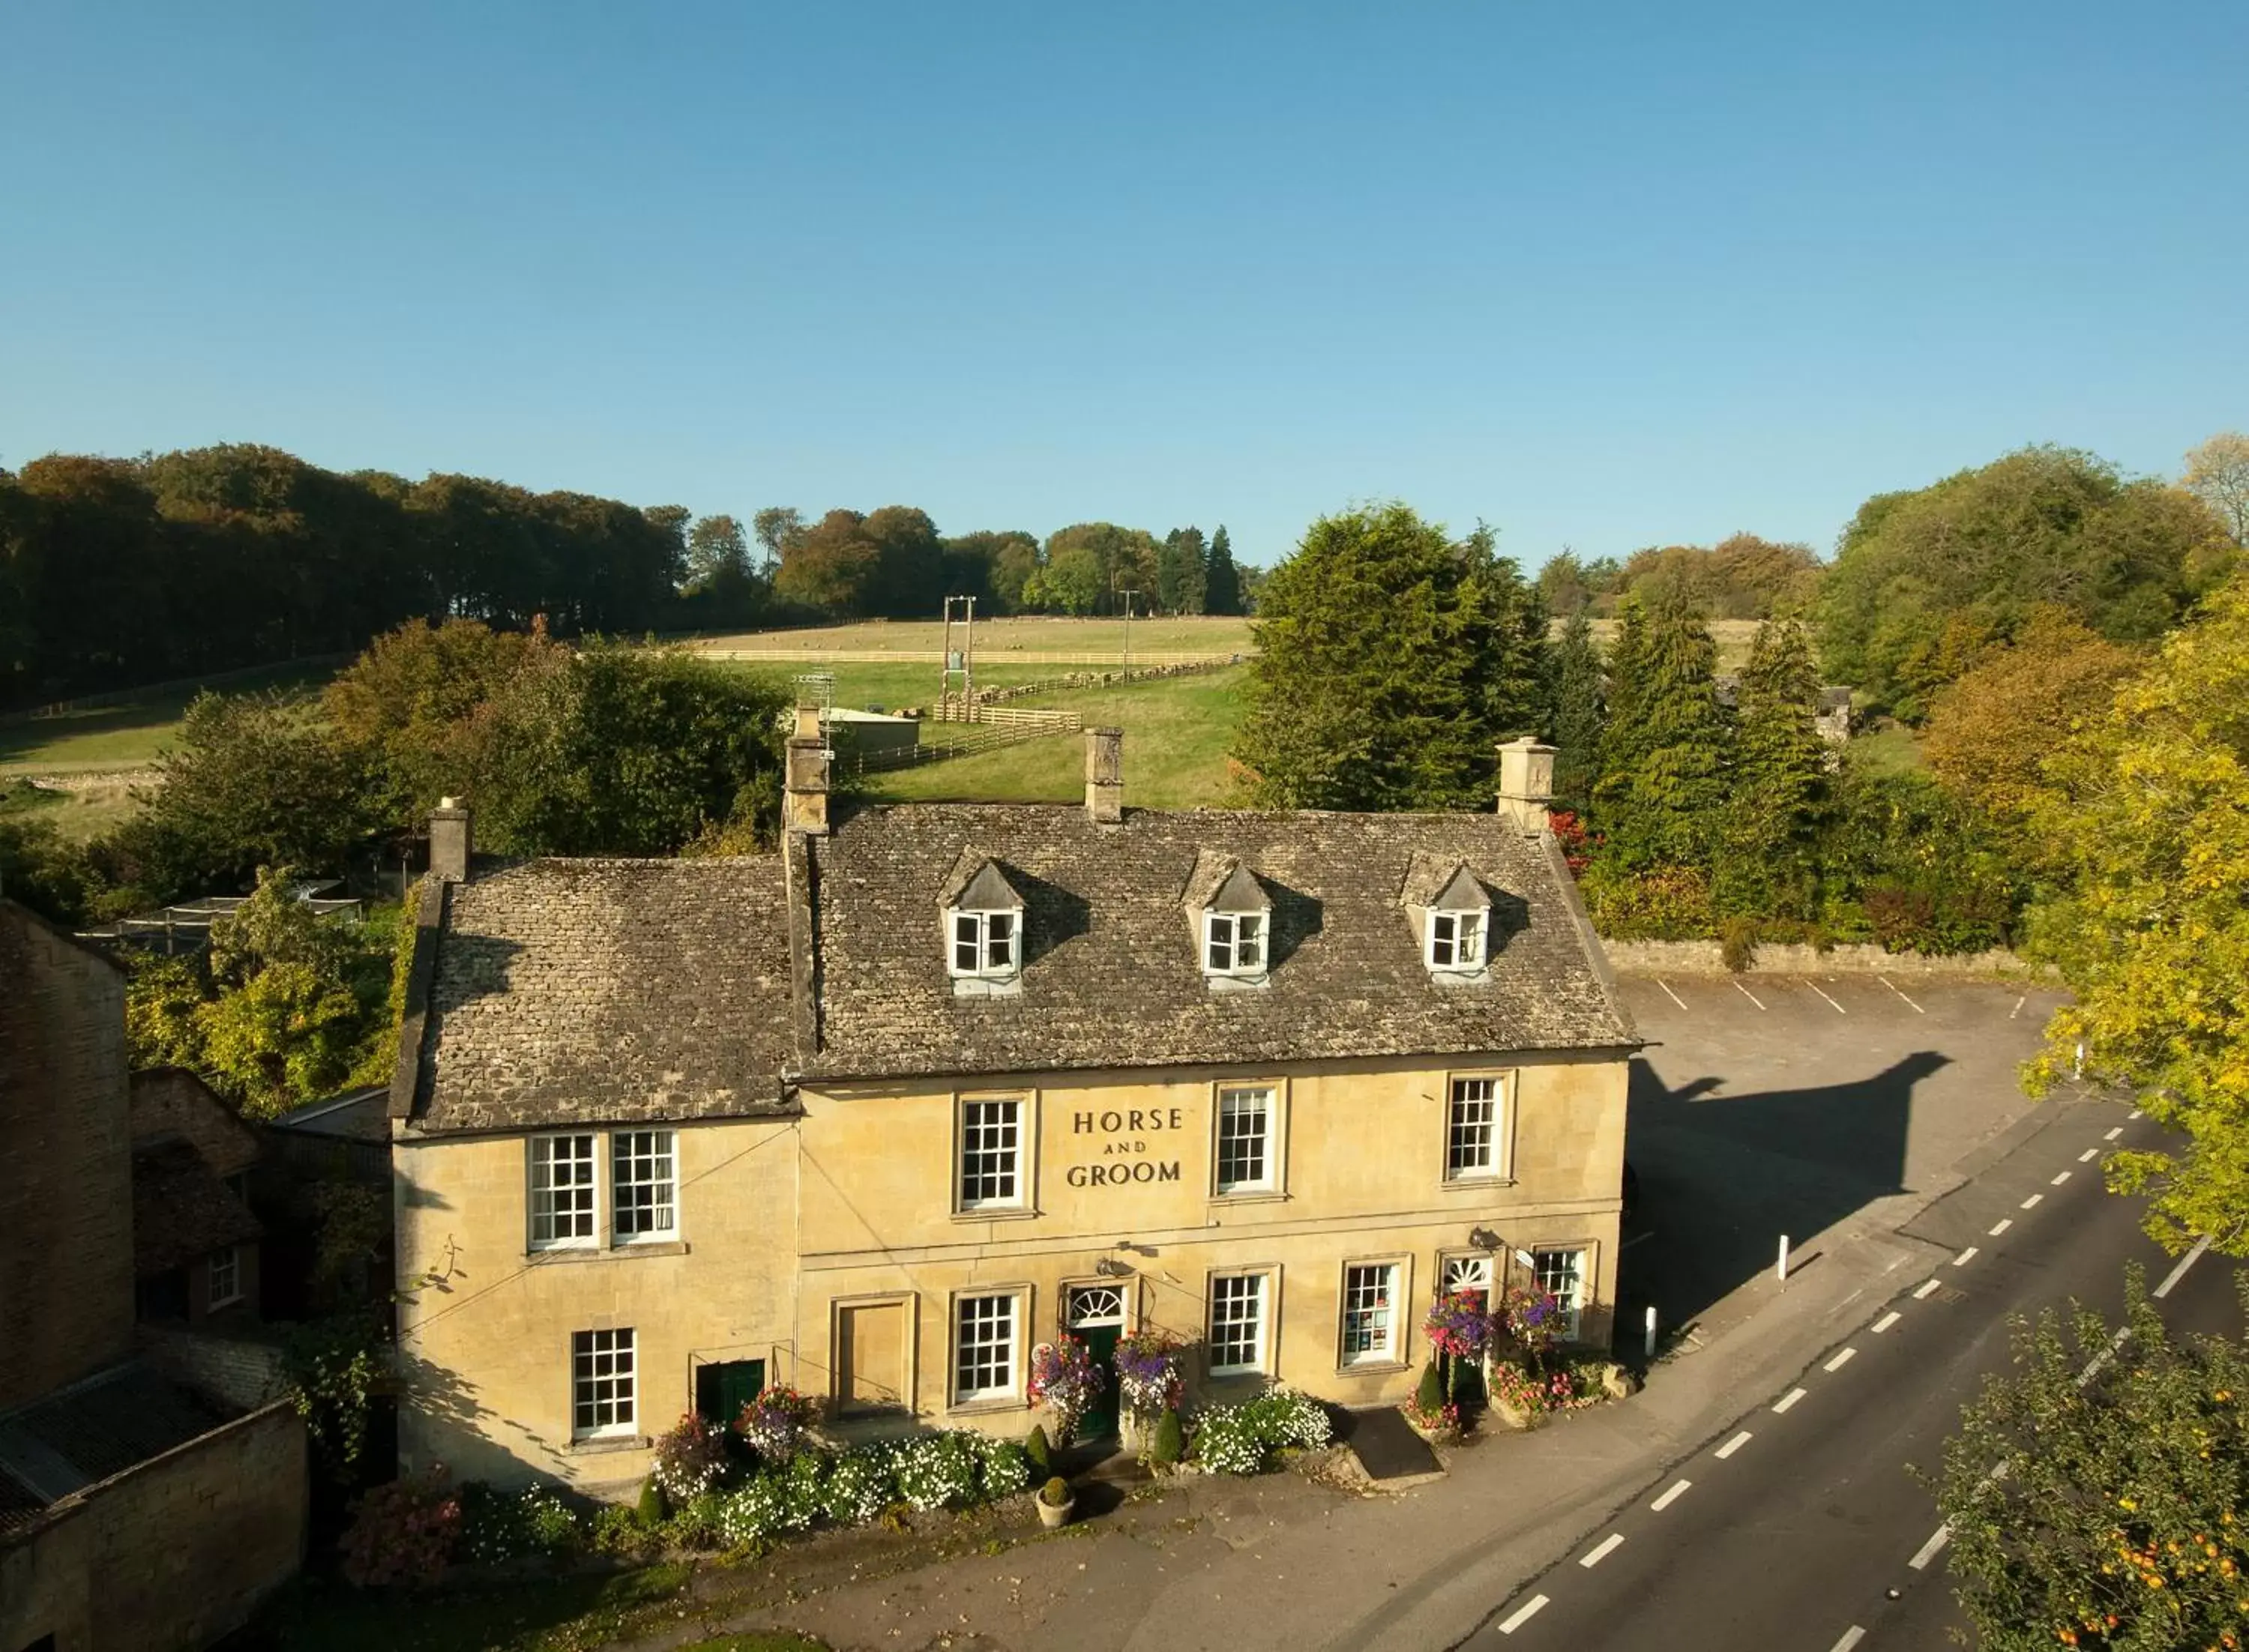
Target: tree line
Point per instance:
(118, 573)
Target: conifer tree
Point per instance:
(1221, 581)
(1767, 846)
(1663, 771)
(1573, 712)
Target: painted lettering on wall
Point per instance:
(1128, 1130)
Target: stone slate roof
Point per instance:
(1111, 977)
(602, 992)
(181, 1208)
(594, 992)
(91, 1430)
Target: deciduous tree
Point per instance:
(2218, 474)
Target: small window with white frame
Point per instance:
(1561, 1274)
(604, 1384)
(1233, 943)
(1369, 1313)
(562, 1190)
(1241, 1312)
(986, 945)
(1456, 941)
(223, 1280)
(991, 1169)
(1465, 1271)
(1247, 1153)
(644, 1186)
(986, 1337)
(1475, 1115)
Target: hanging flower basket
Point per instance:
(1065, 1381)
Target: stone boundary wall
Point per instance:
(241, 1373)
(1704, 958)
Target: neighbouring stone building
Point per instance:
(877, 1114)
(136, 1512)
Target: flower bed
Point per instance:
(1240, 1439)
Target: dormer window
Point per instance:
(1456, 940)
(1454, 913)
(1233, 943)
(984, 943)
(1236, 921)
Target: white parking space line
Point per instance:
(2000, 1226)
(1923, 1294)
(1735, 1443)
(1831, 1004)
(1788, 1399)
(2134, 1113)
(1965, 1257)
(1887, 1321)
(1606, 1547)
(2113, 1134)
(1523, 1614)
(2088, 1155)
(1852, 1636)
(1671, 1496)
(2031, 1203)
(2060, 1179)
(2184, 1263)
(1682, 1003)
(1750, 995)
(2018, 1009)
(1929, 1550)
(1893, 986)
(1840, 1359)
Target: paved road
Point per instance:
(1791, 1527)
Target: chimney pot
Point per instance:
(1526, 783)
(1105, 776)
(452, 840)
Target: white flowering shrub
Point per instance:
(802, 1486)
(859, 1487)
(506, 1525)
(1236, 1439)
(1226, 1442)
(1007, 1469)
(941, 1470)
(756, 1512)
(1287, 1418)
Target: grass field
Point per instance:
(1197, 633)
(127, 735)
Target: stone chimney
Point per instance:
(1105, 776)
(451, 840)
(804, 787)
(1526, 783)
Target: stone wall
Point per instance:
(242, 1374)
(170, 1555)
(66, 1200)
(1703, 958)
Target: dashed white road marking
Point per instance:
(2184, 1263)
(1831, 1004)
(1893, 986)
(1840, 1359)
(2134, 1113)
(2113, 1134)
(1852, 1636)
(1923, 1294)
(2088, 1155)
(1735, 1444)
(1524, 1613)
(1965, 1257)
(2018, 1009)
(1788, 1399)
(2032, 1203)
(1671, 1496)
(1929, 1550)
(2000, 1226)
(2060, 1177)
(1602, 1551)
(1887, 1321)
(1682, 1003)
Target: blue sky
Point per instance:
(1603, 276)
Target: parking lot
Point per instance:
(1772, 1105)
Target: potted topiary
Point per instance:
(1057, 1502)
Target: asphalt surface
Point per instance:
(1798, 1525)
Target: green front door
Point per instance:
(1096, 1316)
(722, 1390)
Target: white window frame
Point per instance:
(1006, 1364)
(222, 1264)
(1493, 1166)
(970, 1128)
(1380, 1297)
(1573, 1304)
(1268, 1140)
(605, 1372)
(1263, 1295)
(626, 1159)
(1477, 1264)
(1456, 940)
(973, 929)
(1222, 947)
(538, 1172)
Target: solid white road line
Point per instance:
(2113, 1134)
(2000, 1226)
(1923, 1294)
(1852, 1636)
(2031, 1204)
(1606, 1547)
(1893, 986)
(1750, 995)
(2088, 1155)
(1831, 1004)
(1788, 1399)
(1840, 1359)
(1965, 1257)
(2018, 1009)
(1671, 1496)
(1735, 1444)
(1523, 1614)
(2059, 1179)
(2184, 1263)
(1887, 1321)
(1929, 1550)
(1682, 1003)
